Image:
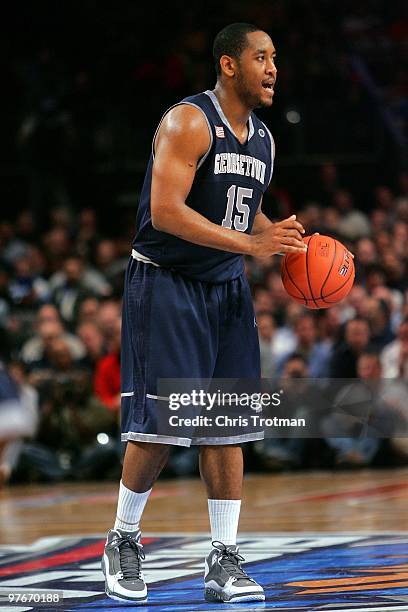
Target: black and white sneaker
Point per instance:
(224, 578)
(122, 567)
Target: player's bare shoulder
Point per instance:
(185, 129)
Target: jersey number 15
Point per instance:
(241, 219)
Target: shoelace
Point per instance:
(130, 553)
(230, 560)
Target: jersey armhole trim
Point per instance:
(272, 151)
(204, 157)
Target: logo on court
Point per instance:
(261, 132)
(337, 573)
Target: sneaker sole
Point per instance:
(212, 596)
(126, 600)
(129, 601)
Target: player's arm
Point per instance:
(183, 138)
(261, 221)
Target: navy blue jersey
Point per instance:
(227, 189)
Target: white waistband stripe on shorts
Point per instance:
(140, 257)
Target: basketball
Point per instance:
(321, 277)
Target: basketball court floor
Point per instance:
(316, 541)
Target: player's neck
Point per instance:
(233, 108)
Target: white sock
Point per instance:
(130, 508)
(224, 518)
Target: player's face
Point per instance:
(256, 73)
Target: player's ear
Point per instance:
(228, 65)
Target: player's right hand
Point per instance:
(281, 237)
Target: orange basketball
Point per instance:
(322, 276)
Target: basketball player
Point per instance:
(199, 213)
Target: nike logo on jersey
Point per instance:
(245, 165)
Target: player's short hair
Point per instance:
(232, 40)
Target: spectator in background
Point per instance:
(394, 357)
(382, 239)
(316, 354)
(374, 277)
(393, 299)
(329, 330)
(354, 303)
(379, 221)
(330, 222)
(347, 428)
(27, 288)
(107, 373)
(377, 314)
(18, 419)
(107, 319)
(57, 357)
(88, 310)
(110, 265)
(370, 416)
(282, 341)
(402, 209)
(301, 400)
(266, 330)
(93, 341)
(57, 246)
(280, 299)
(72, 418)
(366, 255)
(343, 363)
(27, 393)
(329, 324)
(11, 248)
(28, 396)
(76, 272)
(400, 239)
(38, 261)
(70, 288)
(262, 300)
(354, 224)
(48, 326)
(395, 269)
(6, 301)
(105, 257)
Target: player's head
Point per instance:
(244, 58)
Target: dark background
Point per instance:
(85, 84)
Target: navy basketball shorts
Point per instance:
(176, 327)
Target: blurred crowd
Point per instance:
(60, 303)
(60, 307)
(365, 337)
